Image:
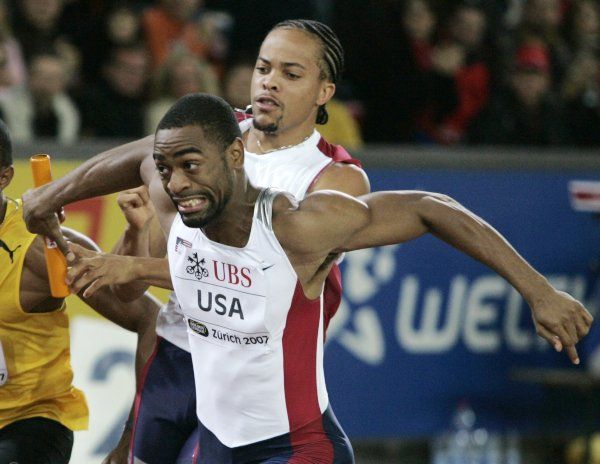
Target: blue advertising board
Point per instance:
(423, 327)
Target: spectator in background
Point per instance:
(526, 112)
(581, 93)
(42, 108)
(542, 21)
(179, 75)
(582, 27)
(459, 79)
(183, 24)
(236, 83)
(389, 49)
(119, 26)
(115, 106)
(12, 65)
(37, 28)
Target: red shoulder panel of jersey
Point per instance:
(241, 115)
(337, 153)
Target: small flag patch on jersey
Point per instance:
(181, 242)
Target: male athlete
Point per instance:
(39, 407)
(248, 267)
(298, 66)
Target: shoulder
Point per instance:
(343, 177)
(318, 222)
(321, 204)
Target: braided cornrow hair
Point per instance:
(332, 59)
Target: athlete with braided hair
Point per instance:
(299, 63)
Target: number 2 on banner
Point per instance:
(3, 368)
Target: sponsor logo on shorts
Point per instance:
(198, 327)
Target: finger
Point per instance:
(572, 354)
(143, 193)
(94, 287)
(561, 335)
(582, 326)
(54, 233)
(81, 252)
(82, 281)
(549, 337)
(75, 272)
(61, 215)
(571, 330)
(127, 200)
(588, 316)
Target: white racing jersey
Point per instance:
(256, 340)
(293, 169)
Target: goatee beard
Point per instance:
(270, 128)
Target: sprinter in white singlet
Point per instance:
(248, 266)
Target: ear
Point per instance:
(326, 92)
(235, 154)
(6, 175)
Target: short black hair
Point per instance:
(5, 146)
(211, 113)
(331, 61)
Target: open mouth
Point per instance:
(191, 205)
(267, 103)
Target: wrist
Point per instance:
(536, 288)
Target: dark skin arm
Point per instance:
(138, 316)
(109, 172)
(327, 222)
(143, 237)
(35, 290)
(95, 270)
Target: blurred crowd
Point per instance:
(502, 72)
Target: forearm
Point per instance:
(133, 242)
(109, 172)
(152, 271)
(451, 222)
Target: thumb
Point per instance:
(57, 237)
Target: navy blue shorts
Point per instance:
(320, 442)
(165, 428)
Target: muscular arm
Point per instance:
(345, 178)
(326, 222)
(134, 316)
(95, 270)
(143, 236)
(109, 172)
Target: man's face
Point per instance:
(42, 13)
(194, 173)
(468, 27)
(186, 78)
(182, 10)
(127, 72)
(543, 13)
(286, 86)
(530, 87)
(46, 77)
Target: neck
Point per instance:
(232, 227)
(264, 142)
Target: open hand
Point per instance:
(95, 270)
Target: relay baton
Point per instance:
(56, 264)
